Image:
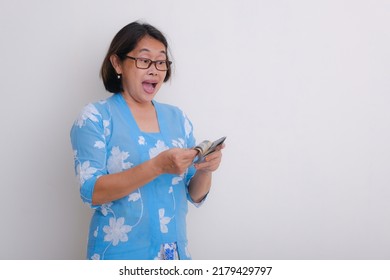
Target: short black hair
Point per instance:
(124, 42)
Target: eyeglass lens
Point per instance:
(146, 63)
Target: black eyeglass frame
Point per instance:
(168, 63)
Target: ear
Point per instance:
(116, 63)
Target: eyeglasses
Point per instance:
(145, 63)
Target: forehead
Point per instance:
(149, 44)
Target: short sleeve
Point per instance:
(89, 148)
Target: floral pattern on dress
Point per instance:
(106, 208)
(164, 221)
(157, 149)
(116, 162)
(176, 180)
(95, 232)
(106, 125)
(116, 231)
(141, 140)
(84, 171)
(117, 228)
(89, 112)
(134, 196)
(99, 144)
(179, 143)
(168, 251)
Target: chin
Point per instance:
(149, 96)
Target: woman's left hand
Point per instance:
(212, 161)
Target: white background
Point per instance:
(301, 89)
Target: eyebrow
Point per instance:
(147, 50)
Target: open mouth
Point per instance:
(149, 87)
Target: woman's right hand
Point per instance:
(175, 160)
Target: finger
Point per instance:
(210, 161)
(192, 152)
(201, 167)
(207, 167)
(220, 147)
(213, 156)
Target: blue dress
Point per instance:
(105, 140)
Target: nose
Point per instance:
(152, 70)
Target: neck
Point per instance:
(132, 103)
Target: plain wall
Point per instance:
(301, 89)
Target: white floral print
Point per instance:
(179, 143)
(159, 147)
(99, 144)
(105, 208)
(116, 161)
(85, 171)
(116, 231)
(89, 112)
(95, 232)
(141, 140)
(95, 257)
(176, 180)
(134, 196)
(163, 220)
(106, 124)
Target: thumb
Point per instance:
(191, 152)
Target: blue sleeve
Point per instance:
(191, 142)
(89, 148)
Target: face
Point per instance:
(141, 85)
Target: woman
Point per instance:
(134, 156)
